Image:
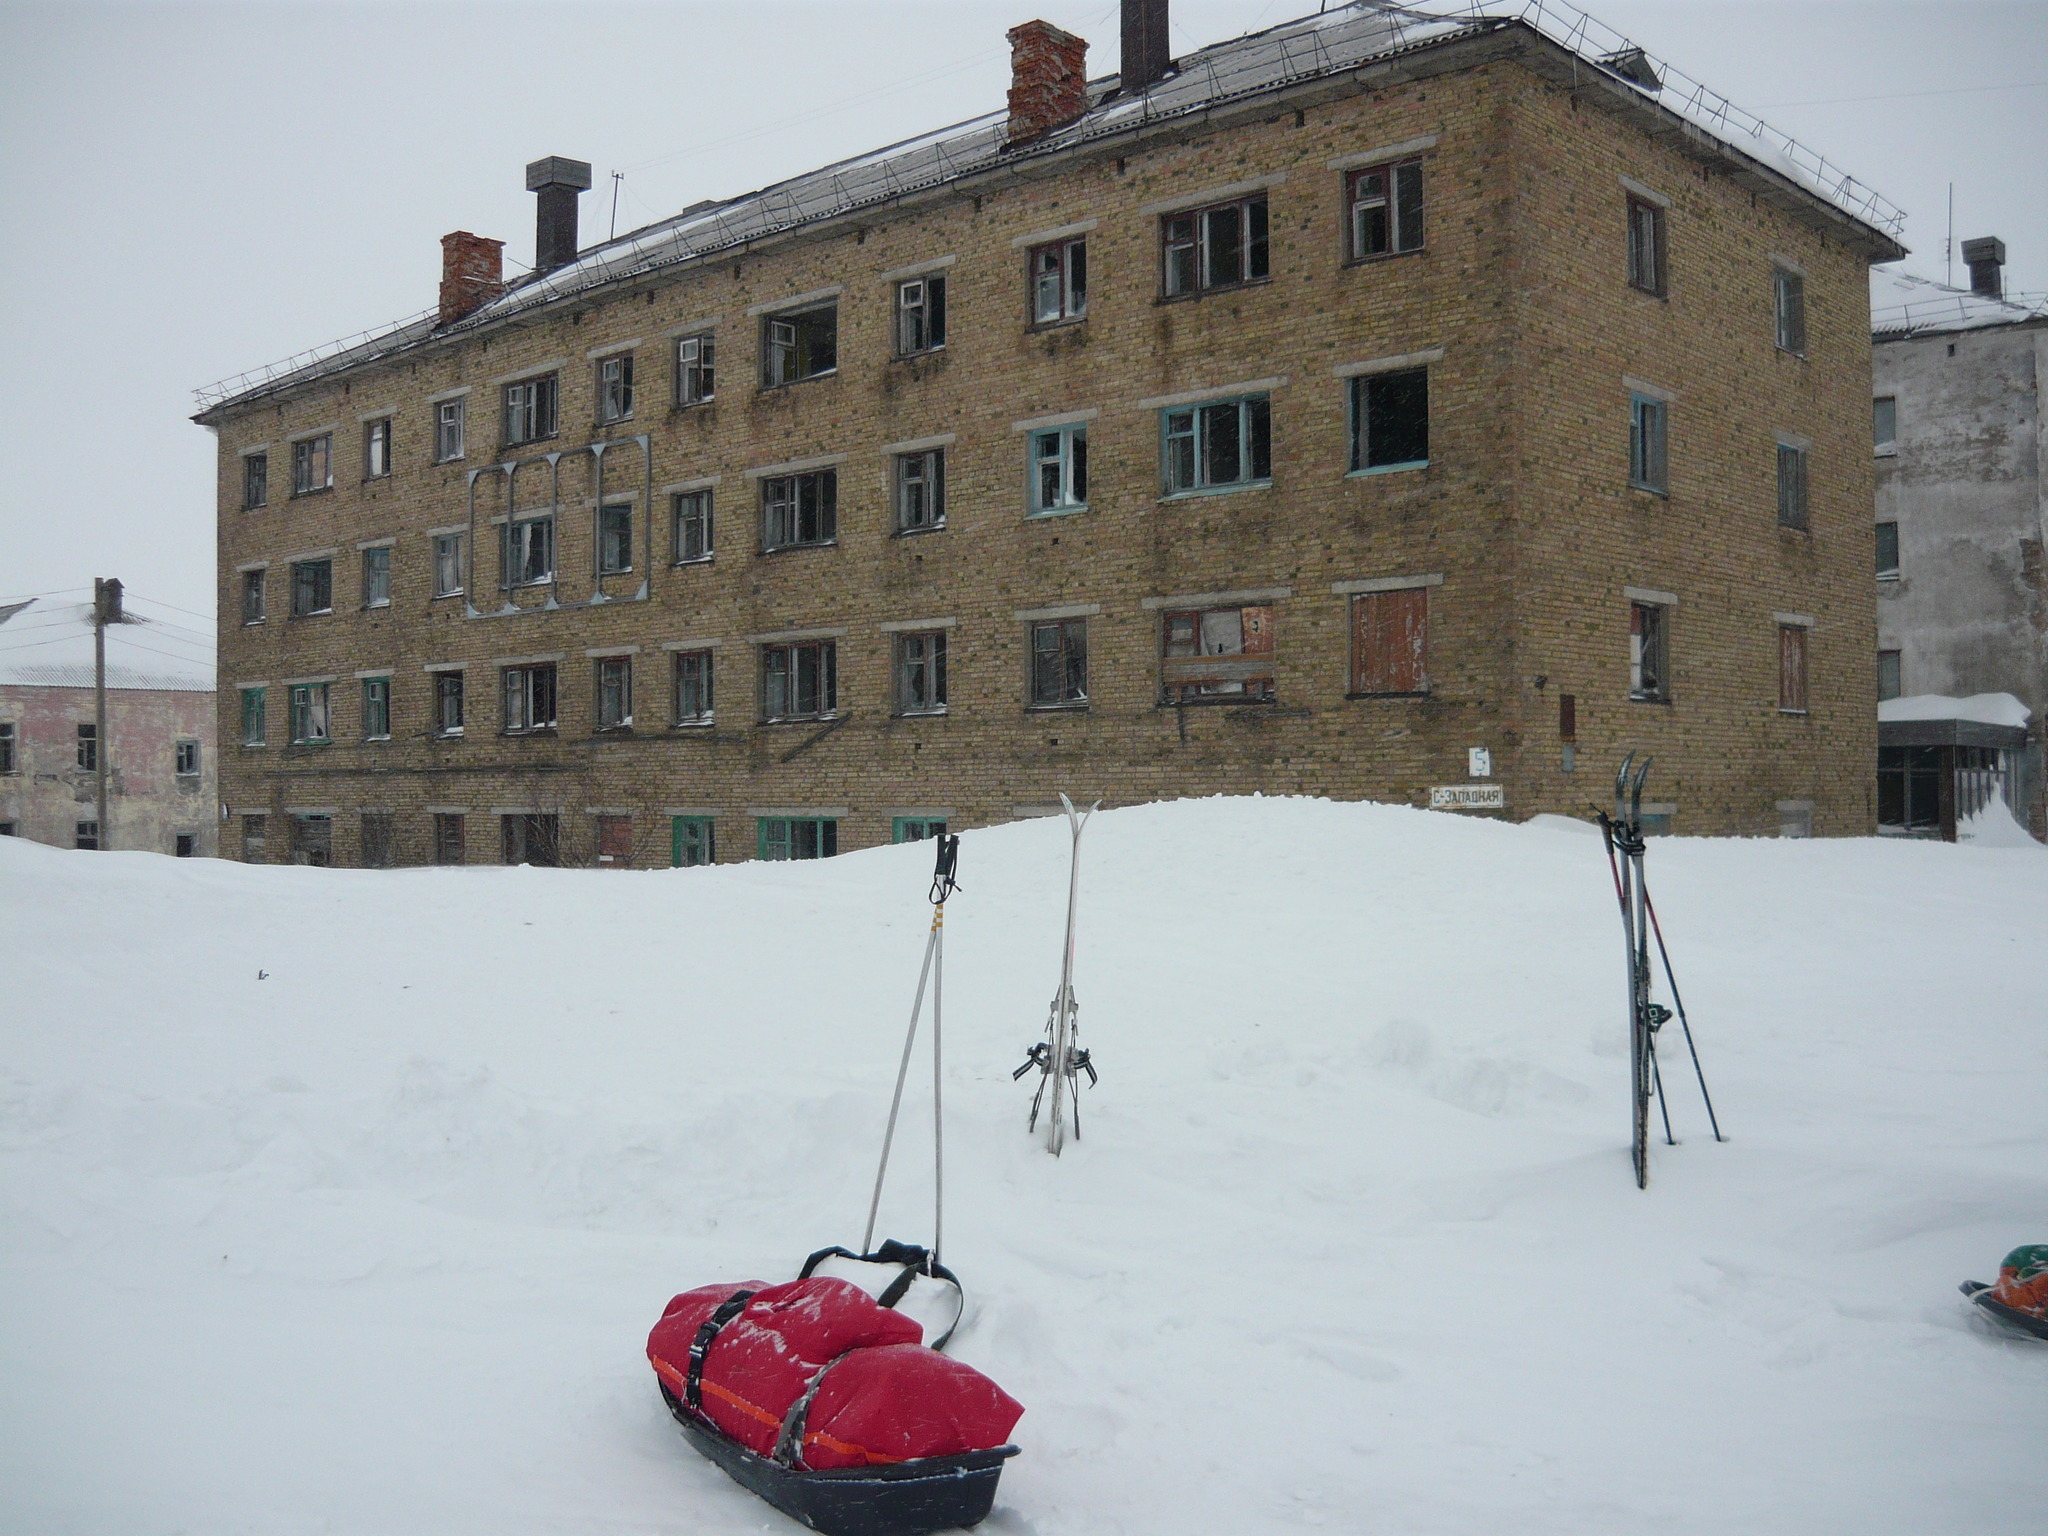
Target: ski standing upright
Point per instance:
(1058, 1056)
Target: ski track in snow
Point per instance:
(1350, 1242)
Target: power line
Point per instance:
(158, 602)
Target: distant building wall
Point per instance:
(150, 805)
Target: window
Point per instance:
(1887, 551)
(1059, 664)
(1217, 655)
(1909, 788)
(186, 846)
(1788, 308)
(1211, 447)
(799, 682)
(376, 709)
(693, 688)
(798, 837)
(377, 449)
(309, 714)
(1059, 470)
(1059, 282)
(1649, 653)
(253, 829)
(691, 842)
(1791, 669)
(1390, 643)
(89, 748)
(920, 315)
(10, 762)
(9, 829)
(1884, 424)
(529, 552)
(448, 703)
(380, 840)
(798, 510)
(255, 480)
(920, 491)
(799, 344)
(532, 838)
(1791, 486)
(916, 829)
(86, 835)
(921, 673)
(614, 839)
(448, 564)
(313, 465)
(1648, 461)
(451, 844)
(185, 757)
(377, 577)
(692, 526)
(313, 841)
(1645, 246)
(1890, 684)
(530, 410)
(696, 369)
(615, 693)
(615, 388)
(530, 697)
(253, 727)
(615, 539)
(1386, 209)
(1390, 421)
(252, 597)
(449, 420)
(1215, 247)
(312, 587)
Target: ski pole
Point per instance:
(1685, 1024)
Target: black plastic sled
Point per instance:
(1985, 1297)
(910, 1498)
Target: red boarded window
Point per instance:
(1792, 669)
(614, 839)
(1218, 654)
(1390, 641)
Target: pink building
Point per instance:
(161, 791)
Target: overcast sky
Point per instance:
(198, 189)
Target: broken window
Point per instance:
(614, 693)
(1791, 486)
(448, 703)
(800, 509)
(1059, 470)
(1059, 664)
(691, 842)
(1217, 655)
(309, 714)
(253, 830)
(1645, 246)
(614, 839)
(10, 762)
(89, 748)
(380, 840)
(530, 410)
(530, 697)
(377, 577)
(185, 759)
(451, 842)
(1390, 420)
(920, 315)
(1390, 643)
(696, 369)
(252, 717)
(920, 490)
(1890, 684)
(313, 464)
(1059, 281)
(1648, 456)
(1792, 669)
(1649, 677)
(377, 449)
(693, 688)
(252, 597)
(615, 388)
(448, 564)
(799, 682)
(799, 344)
(313, 840)
(692, 526)
(86, 834)
(615, 538)
(312, 587)
(921, 673)
(916, 829)
(1386, 209)
(1884, 424)
(1788, 308)
(449, 420)
(531, 837)
(255, 480)
(1887, 551)
(376, 709)
(798, 837)
(1215, 446)
(1215, 247)
(529, 548)
(186, 846)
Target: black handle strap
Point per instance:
(700, 1346)
(943, 883)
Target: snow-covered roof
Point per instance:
(1904, 305)
(1311, 47)
(49, 645)
(1980, 708)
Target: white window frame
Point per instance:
(697, 368)
(1058, 274)
(450, 429)
(1061, 452)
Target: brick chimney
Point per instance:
(1048, 79)
(559, 181)
(1147, 55)
(472, 274)
(1986, 260)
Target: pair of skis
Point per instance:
(1059, 1057)
(1623, 833)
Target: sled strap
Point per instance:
(700, 1346)
(789, 1445)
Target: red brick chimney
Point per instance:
(1048, 79)
(472, 274)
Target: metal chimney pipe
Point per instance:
(559, 182)
(1147, 55)
(1986, 260)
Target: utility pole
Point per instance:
(106, 609)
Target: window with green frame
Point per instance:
(691, 842)
(253, 725)
(916, 829)
(797, 837)
(1221, 445)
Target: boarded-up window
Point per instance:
(1218, 654)
(380, 840)
(1390, 641)
(1792, 669)
(450, 842)
(614, 839)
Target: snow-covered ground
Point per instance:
(339, 1201)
